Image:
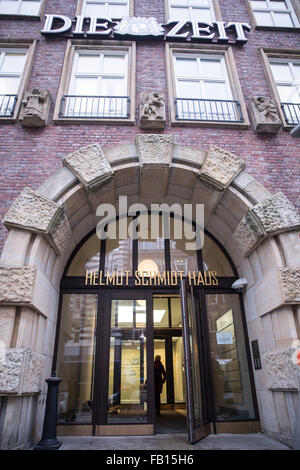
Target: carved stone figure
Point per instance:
(35, 109)
(263, 115)
(152, 111)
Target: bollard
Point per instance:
(49, 441)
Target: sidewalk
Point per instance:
(173, 442)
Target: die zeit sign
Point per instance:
(143, 28)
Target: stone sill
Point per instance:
(109, 122)
(20, 17)
(8, 120)
(277, 28)
(219, 125)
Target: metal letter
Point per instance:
(49, 23)
(197, 30)
(173, 33)
(239, 31)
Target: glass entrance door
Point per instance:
(127, 385)
(197, 427)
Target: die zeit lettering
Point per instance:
(94, 27)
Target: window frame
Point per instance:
(214, 5)
(15, 45)
(233, 79)
(293, 5)
(80, 3)
(93, 45)
(280, 54)
(17, 16)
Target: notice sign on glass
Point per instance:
(224, 337)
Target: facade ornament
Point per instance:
(263, 115)
(152, 111)
(138, 27)
(35, 108)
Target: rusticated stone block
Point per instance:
(271, 216)
(263, 115)
(60, 234)
(290, 284)
(20, 372)
(155, 149)
(281, 372)
(32, 211)
(152, 111)
(276, 213)
(90, 166)
(16, 284)
(221, 167)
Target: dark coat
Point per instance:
(159, 376)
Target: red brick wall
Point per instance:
(29, 156)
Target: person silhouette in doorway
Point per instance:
(160, 377)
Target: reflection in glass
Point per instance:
(176, 320)
(178, 368)
(214, 258)
(229, 359)
(182, 259)
(160, 312)
(76, 357)
(86, 258)
(195, 362)
(151, 251)
(160, 350)
(118, 253)
(127, 398)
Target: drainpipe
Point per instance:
(295, 132)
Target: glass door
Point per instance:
(126, 387)
(197, 427)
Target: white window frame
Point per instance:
(186, 4)
(201, 79)
(292, 112)
(19, 4)
(269, 55)
(271, 8)
(81, 6)
(232, 85)
(18, 46)
(19, 75)
(99, 73)
(127, 48)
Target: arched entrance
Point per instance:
(123, 302)
(257, 229)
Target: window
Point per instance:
(99, 84)
(20, 7)
(201, 10)
(274, 13)
(105, 8)
(203, 86)
(12, 63)
(286, 74)
(203, 90)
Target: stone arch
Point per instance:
(259, 230)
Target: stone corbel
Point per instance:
(35, 110)
(271, 216)
(20, 371)
(155, 152)
(90, 166)
(34, 212)
(220, 168)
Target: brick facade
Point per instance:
(29, 156)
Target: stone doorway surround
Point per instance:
(258, 229)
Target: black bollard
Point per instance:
(49, 441)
